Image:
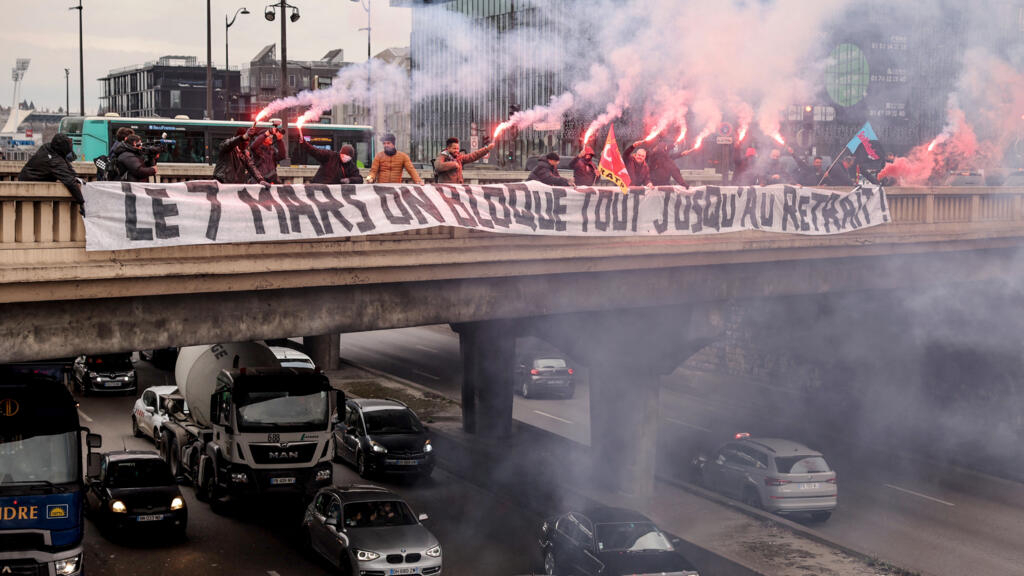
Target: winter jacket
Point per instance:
(639, 174)
(132, 165)
(448, 168)
(266, 157)
(583, 173)
(547, 174)
(50, 164)
(388, 169)
(233, 165)
(663, 170)
(806, 175)
(838, 176)
(331, 170)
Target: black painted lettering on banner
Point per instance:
(524, 216)
(862, 203)
(490, 193)
(348, 192)
(267, 202)
(545, 209)
(850, 219)
(418, 202)
(662, 226)
(749, 208)
(603, 209)
(620, 211)
(210, 188)
(767, 210)
(161, 212)
(385, 192)
(830, 214)
(131, 216)
(485, 222)
(728, 210)
(698, 212)
(789, 198)
(297, 209)
(713, 208)
(801, 209)
(883, 204)
(819, 201)
(327, 205)
(559, 208)
(588, 193)
(636, 211)
(451, 196)
(684, 203)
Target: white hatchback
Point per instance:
(149, 413)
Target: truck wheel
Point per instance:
(135, 428)
(173, 454)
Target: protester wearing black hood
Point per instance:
(584, 173)
(663, 169)
(547, 172)
(340, 168)
(267, 150)
(52, 163)
(132, 163)
(234, 163)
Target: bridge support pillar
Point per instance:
(487, 350)
(324, 350)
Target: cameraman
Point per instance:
(133, 163)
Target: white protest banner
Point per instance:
(123, 215)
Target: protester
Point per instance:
(547, 171)
(662, 167)
(334, 168)
(267, 149)
(52, 163)
(389, 163)
(810, 175)
(773, 171)
(839, 175)
(234, 162)
(584, 173)
(118, 146)
(636, 165)
(448, 167)
(745, 173)
(132, 163)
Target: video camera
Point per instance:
(151, 149)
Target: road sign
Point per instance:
(28, 132)
(724, 140)
(474, 142)
(724, 129)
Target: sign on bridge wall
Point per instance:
(123, 215)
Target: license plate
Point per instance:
(403, 463)
(402, 571)
(809, 486)
(287, 480)
(111, 384)
(150, 517)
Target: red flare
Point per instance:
(501, 128)
(262, 114)
(590, 133)
(778, 138)
(700, 141)
(934, 142)
(299, 122)
(741, 134)
(656, 130)
(682, 134)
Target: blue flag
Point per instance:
(863, 136)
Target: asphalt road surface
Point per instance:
(480, 533)
(917, 513)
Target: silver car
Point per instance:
(779, 476)
(369, 530)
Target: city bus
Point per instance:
(186, 140)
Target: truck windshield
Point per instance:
(282, 409)
(38, 459)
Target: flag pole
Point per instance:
(831, 166)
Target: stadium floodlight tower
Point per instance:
(17, 75)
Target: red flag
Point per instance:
(612, 167)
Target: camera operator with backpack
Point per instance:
(133, 162)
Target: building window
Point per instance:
(175, 99)
(291, 80)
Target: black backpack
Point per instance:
(107, 168)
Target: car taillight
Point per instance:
(534, 371)
(570, 371)
(775, 482)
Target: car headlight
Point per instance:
(377, 447)
(434, 552)
(428, 447)
(365, 555)
(93, 375)
(239, 477)
(67, 566)
(177, 503)
(118, 506)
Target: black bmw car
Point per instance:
(609, 542)
(135, 490)
(383, 436)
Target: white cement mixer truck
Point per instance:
(251, 428)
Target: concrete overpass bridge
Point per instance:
(631, 308)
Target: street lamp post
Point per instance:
(208, 113)
(367, 6)
(67, 91)
(227, 68)
(81, 62)
(269, 14)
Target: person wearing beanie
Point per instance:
(584, 173)
(389, 163)
(547, 171)
(52, 163)
(334, 168)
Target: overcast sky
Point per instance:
(126, 32)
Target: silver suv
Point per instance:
(369, 530)
(779, 476)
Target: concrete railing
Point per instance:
(42, 255)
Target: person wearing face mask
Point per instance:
(388, 164)
(267, 150)
(584, 173)
(334, 168)
(52, 163)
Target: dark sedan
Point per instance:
(105, 373)
(609, 542)
(544, 375)
(135, 490)
(383, 436)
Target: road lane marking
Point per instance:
(688, 425)
(427, 348)
(427, 375)
(919, 495)
(553, 416)
(82, 414)
(272, 573)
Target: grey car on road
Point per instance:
(780, 476)
(370, 531)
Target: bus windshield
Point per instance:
(39, 459)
